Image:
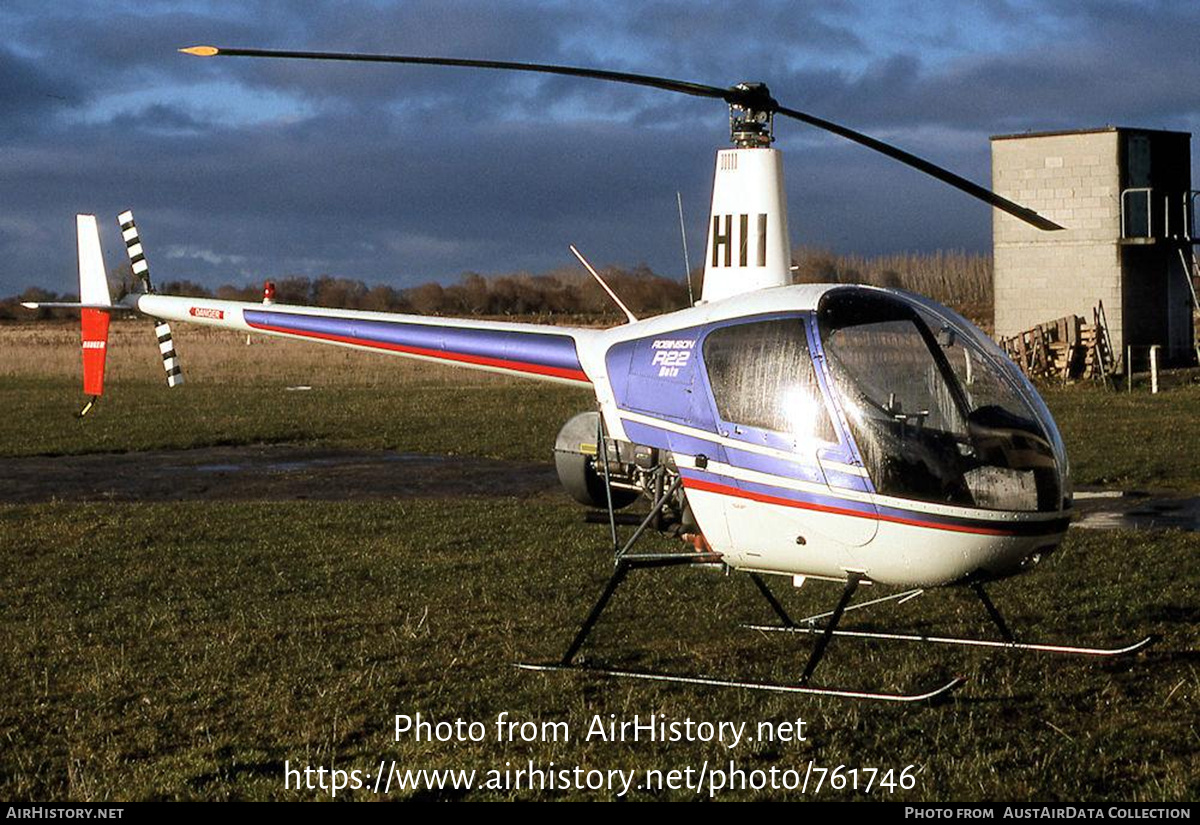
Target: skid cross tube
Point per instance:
(602, 449)
(623, 566)
(1005, 633)
(771, 600)
(650, 517)
(823, 642)
(614, 582)
(625, 561)
(1007, 642)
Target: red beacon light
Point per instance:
(268, 292)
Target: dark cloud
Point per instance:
(752, 41)
(124, 48)
(159, 120)
(1082, 64)
(32, 94)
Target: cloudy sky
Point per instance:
(239, 170)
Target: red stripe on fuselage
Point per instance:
(725, 490)
(443, 355)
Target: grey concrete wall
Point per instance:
(1074, 180)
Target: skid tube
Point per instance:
(954, 640)
(1008, 642)
(772, 687)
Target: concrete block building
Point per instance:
(1126, 200)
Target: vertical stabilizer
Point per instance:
(93, 292)
(748, 245)
(93, 282)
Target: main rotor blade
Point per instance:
(666, 83)
(946, 176)
(757, 99)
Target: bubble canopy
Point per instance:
(936, 411)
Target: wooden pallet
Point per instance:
(1064, 349)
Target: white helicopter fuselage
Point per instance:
(826, 431)
(804, 506)
(767, 501)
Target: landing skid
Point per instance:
(1008, 642)
(772, 687)
(954, 640)
(824, 625)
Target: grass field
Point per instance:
(191, 650)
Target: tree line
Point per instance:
(961, 280)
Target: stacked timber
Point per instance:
(1064, 349)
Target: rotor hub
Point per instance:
(751, 115)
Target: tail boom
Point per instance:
(531, 350)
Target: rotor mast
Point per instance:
(748, 243)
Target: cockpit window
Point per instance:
(889, 361)
(762, 376)
(934, 416)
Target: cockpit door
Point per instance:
(783, 445)
(845, 470)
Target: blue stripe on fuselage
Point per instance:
(553, 351)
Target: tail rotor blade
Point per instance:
(166, 346)
(141, 269)
(133, 246)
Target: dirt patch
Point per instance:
(268, 472)
(1136, 510)
(289, 472)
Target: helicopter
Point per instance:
(844, 433)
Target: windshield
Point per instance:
(934, 415)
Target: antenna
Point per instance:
(687, 266)
(600, 281)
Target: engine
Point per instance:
(581, 470)
(632, 470)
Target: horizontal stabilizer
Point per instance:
(67, 305)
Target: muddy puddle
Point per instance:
(1115, 510)
(287, 472)
(269, 472)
